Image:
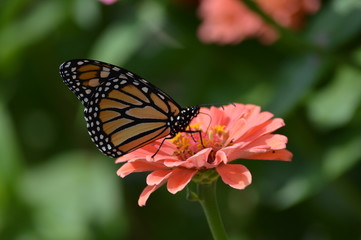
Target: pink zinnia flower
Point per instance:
(231, 21)
(232, 132)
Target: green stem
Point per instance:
(208, 200)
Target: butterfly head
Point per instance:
(180, 122)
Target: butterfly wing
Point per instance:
(123, 111)
(83, 76)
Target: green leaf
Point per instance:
(331, 28)
(342, 158)
(117, 43)
(336, 161)
(335, 105)
(71, 194)
(122, 39)
(86, 13)
(9, 148)
(296, 80)
(10, 163)
(346, 6)
(37, 24)
(296, 190)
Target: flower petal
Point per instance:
(230, 109)
(218, 117)
(235, 175)
(261, 152)
(179, 179)
(237, 131)
(255, 117)
(158, 182)
(273, 141)
(263, 144)
(132, 156)
(282, 155)
(203, 119)
(166, 149)
(263, 129)
(232, 153)
(145, 194)
(222, 157)
(198, 160)
(157, 177)
(138, 166)
(231, 21)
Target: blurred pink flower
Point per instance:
(232, 132)
(231, 21)
(108, 2)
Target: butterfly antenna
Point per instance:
(210, 117)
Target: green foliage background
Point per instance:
(54, 183)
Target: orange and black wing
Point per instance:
(123, 111)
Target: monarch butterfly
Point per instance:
(123, 111)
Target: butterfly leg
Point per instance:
(200, 135)
(160, 146)
(194, 131)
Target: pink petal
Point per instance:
(218, 117)
(156, 177)
(261, 152)
(149, 190)
(171, 162)
(231, 153)
(138, 154)
(132, 156)
(250, 117)
(146, 153)
(256, 117)
(234, 109)
(145, 195)
(274, 141)
(203, 118)
(261, 145)
(282, 155)
(251, 113)
(221, 157)
(237, 130)
(198, 160)
(263, 129)
(179, 179)
(167, 148)
(235, 175)
(138, 166)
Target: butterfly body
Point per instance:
(123, 111)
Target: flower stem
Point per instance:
(208, 200)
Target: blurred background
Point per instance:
(299, 59)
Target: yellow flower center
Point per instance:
(188, 144)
